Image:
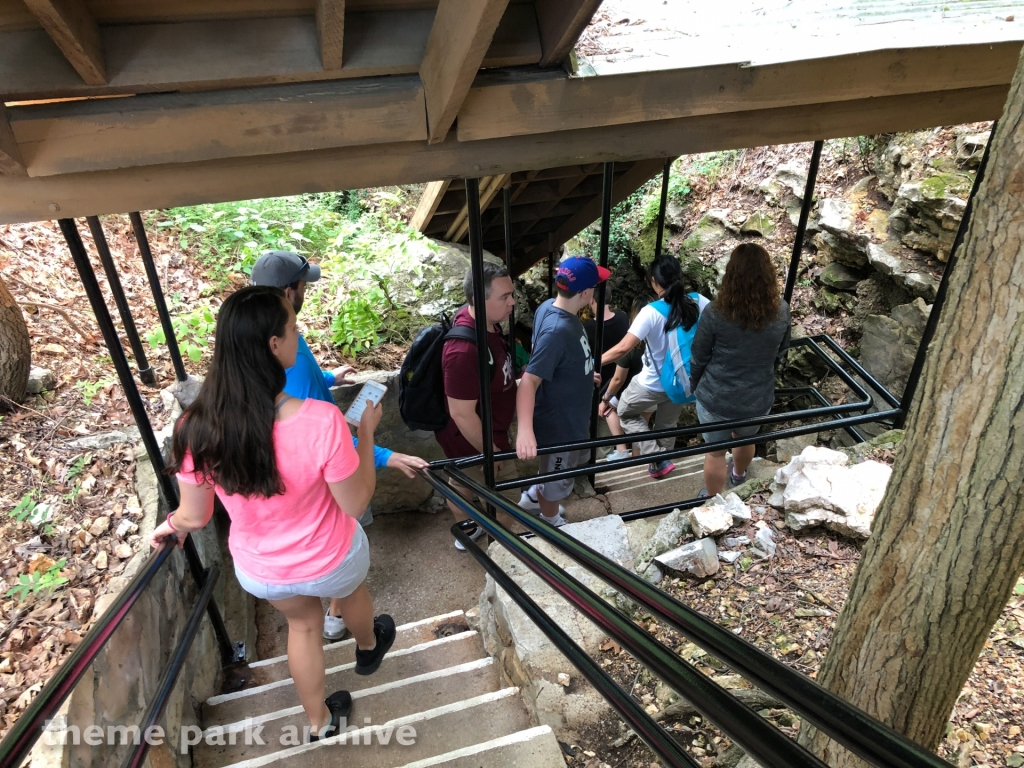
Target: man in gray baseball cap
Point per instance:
(291, 273)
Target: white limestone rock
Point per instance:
(818, 487)
(712, 519)
(697, 557)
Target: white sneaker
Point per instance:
(534, 506)
(558, 521)
(334, 626)
(618, 456)
(476, 534)
(527, 503)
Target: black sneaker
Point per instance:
(339, 704)
(384, 630)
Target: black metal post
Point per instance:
(146, 373)
(914, 377)
(551, 272)
(661, 210)
(598, 350)
(476, 255)
(801, 227)
(138, 409)
(506, 205)
(158, 296)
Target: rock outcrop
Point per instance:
(818, 487)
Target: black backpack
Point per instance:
(421, 399)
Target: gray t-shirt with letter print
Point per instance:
(563, 359)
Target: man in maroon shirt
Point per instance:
(463, 435)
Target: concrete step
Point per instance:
(532, 748)
(344, 651)
(433, 733)
(634, 477)
(418, 659)
(379, 704)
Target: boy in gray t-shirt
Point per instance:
(554, 397)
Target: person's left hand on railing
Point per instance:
(406, 464)
(164, 531)
(597, 378)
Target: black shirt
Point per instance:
(614, 331)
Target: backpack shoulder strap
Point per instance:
(661, 307)
(463, 332)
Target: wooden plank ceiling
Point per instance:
(548, 207)
(115, 105)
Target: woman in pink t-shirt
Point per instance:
(293, 485)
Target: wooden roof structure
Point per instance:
(116, 105)
(548, 206)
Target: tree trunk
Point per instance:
(15, 351)
(948, 542)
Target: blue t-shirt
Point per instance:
(562, 358)
(306, 380)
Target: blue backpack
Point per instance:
(675, 370)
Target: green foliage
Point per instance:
(192, 331)
(359, 238)
(36, 513)
(78, 467)
(89, 389)
(229, 237)
(1019, 589)
(24, 508)
(38, 582)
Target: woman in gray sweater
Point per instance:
(741, 339)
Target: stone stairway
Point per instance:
(632, 488)
(436, 700)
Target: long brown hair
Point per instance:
(749, 295)
(229, 428)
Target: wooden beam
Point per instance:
(625, 185)
(487, 194)
(429, 201)
(165, 186)
(15, 16)
(103, 134)
(519, 103)
(561, 24)
(565, 186)
(10, 156)
(71, 26)
(461, 34)
(330, 31)
(242, 53)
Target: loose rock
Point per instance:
(698, 557)
(712, 519)
(99, 526)
(40, 380)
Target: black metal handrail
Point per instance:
(863, 735)
(667, 748)
(170, 676)
(26, 730)
(865, 402)
(757, 736)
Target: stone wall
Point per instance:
(124, 677)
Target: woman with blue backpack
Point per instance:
(667, 326)
(742, 339)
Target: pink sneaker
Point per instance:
(659, 469)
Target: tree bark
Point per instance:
(948, 540)
(15, 350)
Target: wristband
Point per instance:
(170, 524)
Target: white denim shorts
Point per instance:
(341, 582)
